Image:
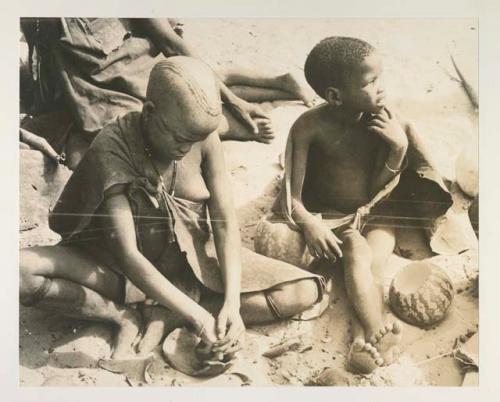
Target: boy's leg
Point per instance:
(290, 85)
(67, 281)
(361, 288)
(365, 294)
(382, 240)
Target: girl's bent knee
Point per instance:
(295, 297)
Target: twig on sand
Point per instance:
(281, 348)
(435, 357)
(290, 343)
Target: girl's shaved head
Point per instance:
(185, 90)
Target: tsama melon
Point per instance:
(275, 239)
(421, 294)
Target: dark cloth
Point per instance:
(117, 157)
(96, 68)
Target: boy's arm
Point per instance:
(322, 243)
(390, 161)
(122, 243)
(168, 41)
(226, 236)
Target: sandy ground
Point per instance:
(419, 78)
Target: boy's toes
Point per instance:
(396, 327)
(368, 347)
(358, 345)
(375, 338)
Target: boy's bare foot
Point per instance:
(161, 323)
(363, 357)
(386, 340)
(129, 326)
(292, 82)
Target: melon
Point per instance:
(421, 294)
(275, 239)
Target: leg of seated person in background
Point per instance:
(273, 87)
(258, 94)
(67, 281)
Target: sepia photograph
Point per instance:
(230, 202)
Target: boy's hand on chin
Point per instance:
(387, 126)
(321, 241)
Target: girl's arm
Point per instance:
(223, 218)
(122, 243)
(225, 228)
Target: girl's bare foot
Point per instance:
(161, 323)
(129, 325)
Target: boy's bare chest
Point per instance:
(353, 147)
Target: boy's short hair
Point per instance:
(331, 59)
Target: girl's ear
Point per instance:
(333, 96)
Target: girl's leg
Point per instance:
(263, 307)
(67, 281)
(280, 302)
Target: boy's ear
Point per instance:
(148, 108)
(333, 96)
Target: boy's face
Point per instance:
(363, 90)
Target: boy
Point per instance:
(343, 158)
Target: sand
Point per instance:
(420, 81)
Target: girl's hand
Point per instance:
(206, 329)
(230, 330)
(387, 126)
(321, 241)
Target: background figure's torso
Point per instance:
(102, 67)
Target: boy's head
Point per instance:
(345, 71)
(182, 106)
